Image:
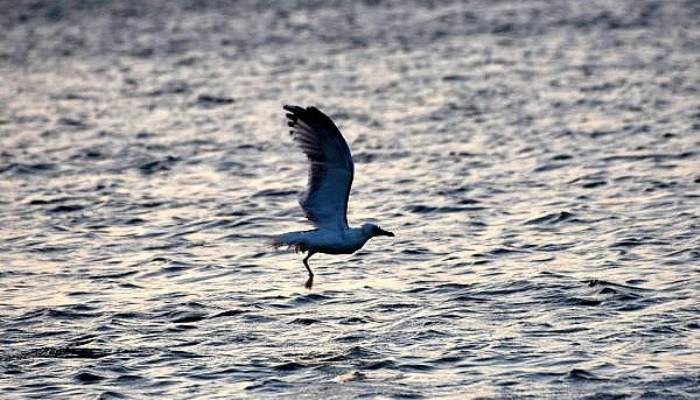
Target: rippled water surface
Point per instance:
(538, 161)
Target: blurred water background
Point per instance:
(539, 162)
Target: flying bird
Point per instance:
(326, 199)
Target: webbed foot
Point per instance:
(309, 282)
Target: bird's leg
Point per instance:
(310, 281)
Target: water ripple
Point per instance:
(538, 162)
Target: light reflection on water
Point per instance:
(541, 174)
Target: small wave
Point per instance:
(187, 317)
(578, 374)
(498, 252)
(425, 209)
(66, 208)
(304, 321)
(551, 219)
(274, 193)
(28, 169)
(153, 166)
(87, 377)
(209, 100)
(288, 366)
(58, 352)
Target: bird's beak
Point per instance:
(382, 232)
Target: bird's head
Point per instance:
(371, 230)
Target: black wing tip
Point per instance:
(308, 114)
(293, 108)
(294, 114)
(298, 111)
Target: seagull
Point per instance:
(325, 202)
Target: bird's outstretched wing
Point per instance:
(331, 171)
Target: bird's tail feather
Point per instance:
(293, 241)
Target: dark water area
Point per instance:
(539, 162)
